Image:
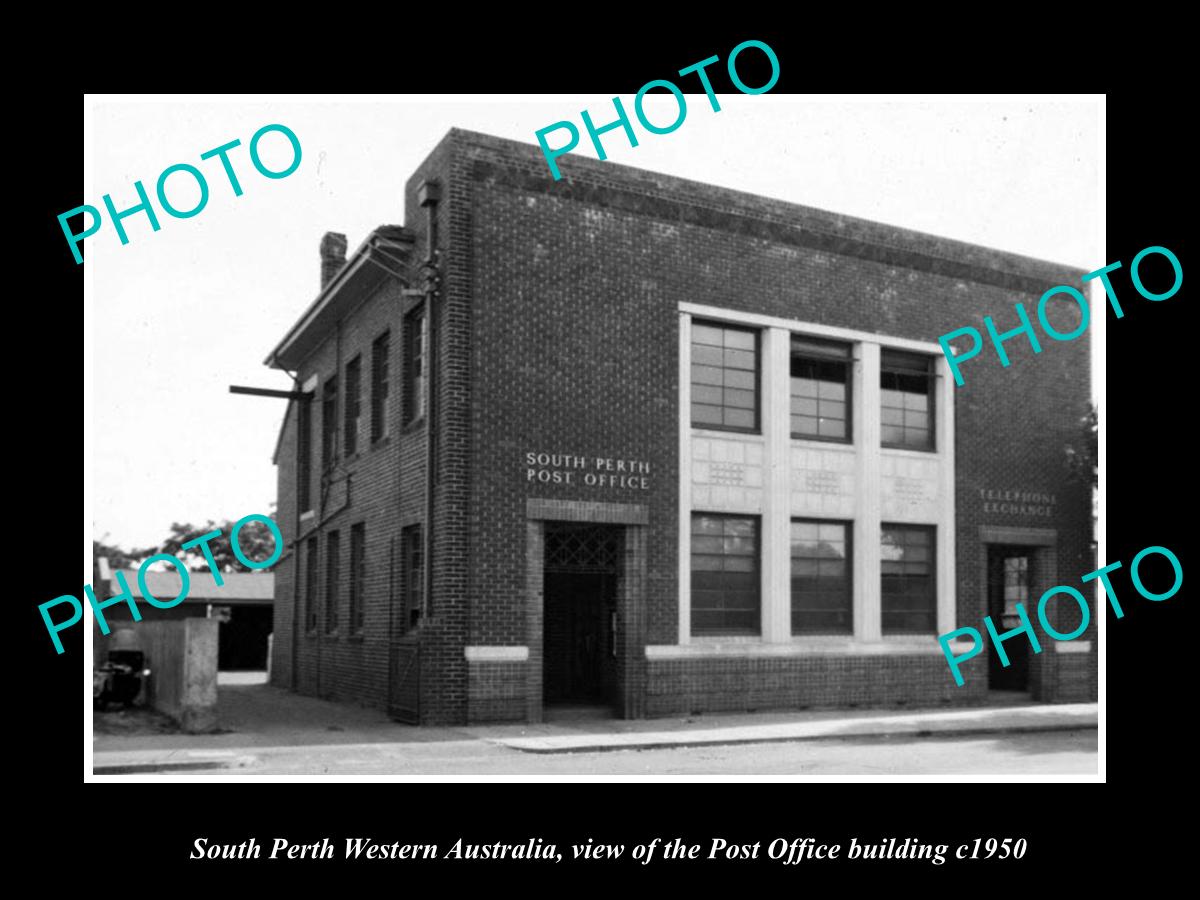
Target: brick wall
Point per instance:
(577, 290)
(497, 691)
(379, 486)
(285, 570)
(444, 675)
(681, 687)
(557, 332)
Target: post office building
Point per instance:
(642, 443)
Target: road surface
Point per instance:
(1049, 752)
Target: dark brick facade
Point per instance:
(557, 331)
(681, 687)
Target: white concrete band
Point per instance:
(496, 654)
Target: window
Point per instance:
(724, 377)
(413, 554)
(821, 566)
(725, 582)
(416, 335)
(1016, 589)
(329, 423)
(353, 404)
(304, 455)
(820, 389)
(379, 387)
(333, 559)
(909, 587)
(907, 383)
(310, 587)
(358, 575)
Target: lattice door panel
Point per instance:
(582, 547)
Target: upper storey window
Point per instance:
(724, 377)
(906, 380)
(820, 389)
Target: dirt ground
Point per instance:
(119, 722)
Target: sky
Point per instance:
(178, 315)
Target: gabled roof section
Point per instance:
(384, 254)
(282, 428)
(235, 586)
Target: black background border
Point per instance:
(152, 827)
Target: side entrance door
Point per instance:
(1008, 585)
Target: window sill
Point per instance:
(718, 639)
(726, 433)
(813, 645)
(825, 443)
(908, 451)
(414, 425)
(381, 443)
(355, 638)
(330, 636)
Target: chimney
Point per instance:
(333, 256)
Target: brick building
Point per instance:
(690, 450)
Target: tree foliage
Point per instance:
(117, 557)
(1083, 455)
(254, 539)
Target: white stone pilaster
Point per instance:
(947, 579)
(685, 478)
(867, 531)
(776, 520)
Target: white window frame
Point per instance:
(775, 525)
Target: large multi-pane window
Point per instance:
(412, 556)
(329, 422)
(333, 561)
(821, 566)
(358, 575)
(820, 389)
(909, 583)
(907, 380)
(304, 455)
(353, 404)
(725, 575)
(416, 335)
(724, 377)
(310, 585)
(379, 386)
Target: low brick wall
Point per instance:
(496, 691)
(1067, 677)
(738, 684)
(182, 657)
(710, 682)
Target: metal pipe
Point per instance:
(429, 195)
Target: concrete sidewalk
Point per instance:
(271, 723)
(985, 720)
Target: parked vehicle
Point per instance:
(120, 678)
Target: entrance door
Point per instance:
(580, 613)
(578, 642)
(1008, 585)
(242, 639)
